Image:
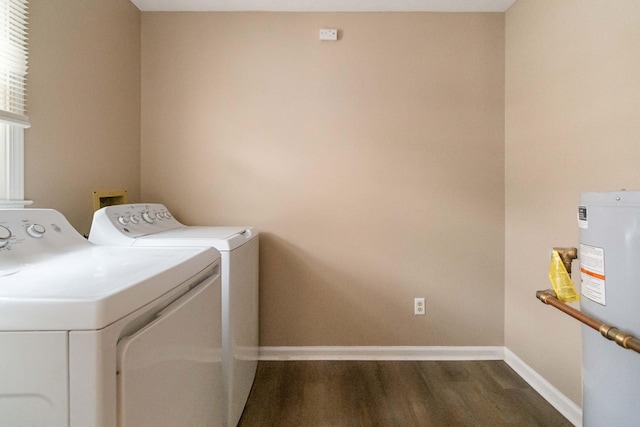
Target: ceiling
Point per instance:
(325, 5)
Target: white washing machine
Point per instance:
(99, 336)
(153, 225)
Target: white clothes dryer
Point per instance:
(153, 225)
(105, 336)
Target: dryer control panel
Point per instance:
(132, 221)
(29, 235)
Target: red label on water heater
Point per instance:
(592, 273)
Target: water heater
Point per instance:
(609, 256)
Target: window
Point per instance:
(13, 118)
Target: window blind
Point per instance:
(13, 62)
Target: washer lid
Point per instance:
(93, 286)
(221, 238)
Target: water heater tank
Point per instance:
(609, 256)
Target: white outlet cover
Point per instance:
(330, 34)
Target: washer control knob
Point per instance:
(5, 235)
(167, 214)
(135, 219)
(36, 230)
(149, 217)
(123, 220)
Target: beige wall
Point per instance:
(572, 125)
(373, 166)
(84, 104)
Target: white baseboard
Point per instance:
(381, 353)
(564, 405)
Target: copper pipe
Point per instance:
(612, 333)
(567, 255)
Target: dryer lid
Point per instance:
(92, 288)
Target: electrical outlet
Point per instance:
(418, 307)
(330, 34)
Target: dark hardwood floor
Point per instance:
(403, 394)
